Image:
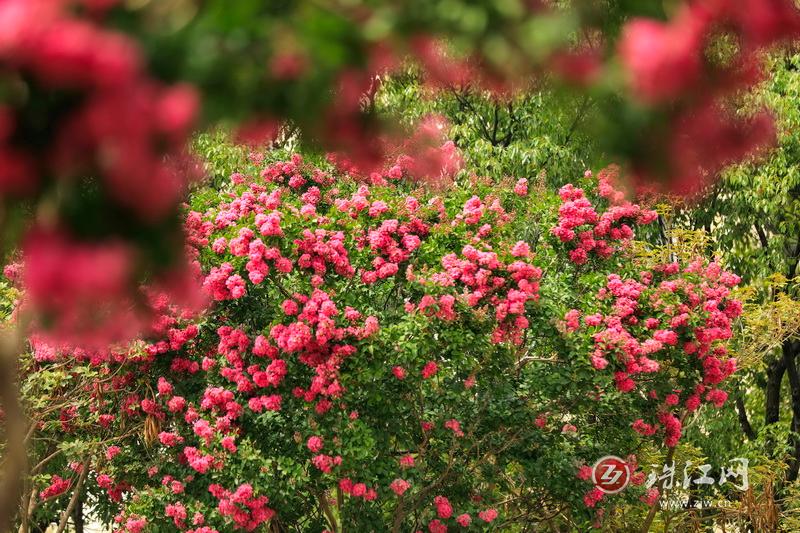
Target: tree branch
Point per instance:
(572, 128)
(795, 260)
(76, 494)
(743, 420)
(326, 509)
(656, 506)
(761, 235)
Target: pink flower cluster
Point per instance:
(443, 507)
(320, 343)
(588, 232)
(454, 426)
(487, 281)
(131, 524)
(246, 510)
(222, 284)
(357, 490)
(487, 212)
(399, 486)
(392, 243)
(320, 248)
(670, 317)
(122, 110)
(428, 155)
(667, 62)
(88, 302)
(57, 486)
(291, 173)
(199, 461)
(444, 511)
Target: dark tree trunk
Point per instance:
(775, 372)
(791, 349)
(743, 420)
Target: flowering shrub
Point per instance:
(390, 355)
